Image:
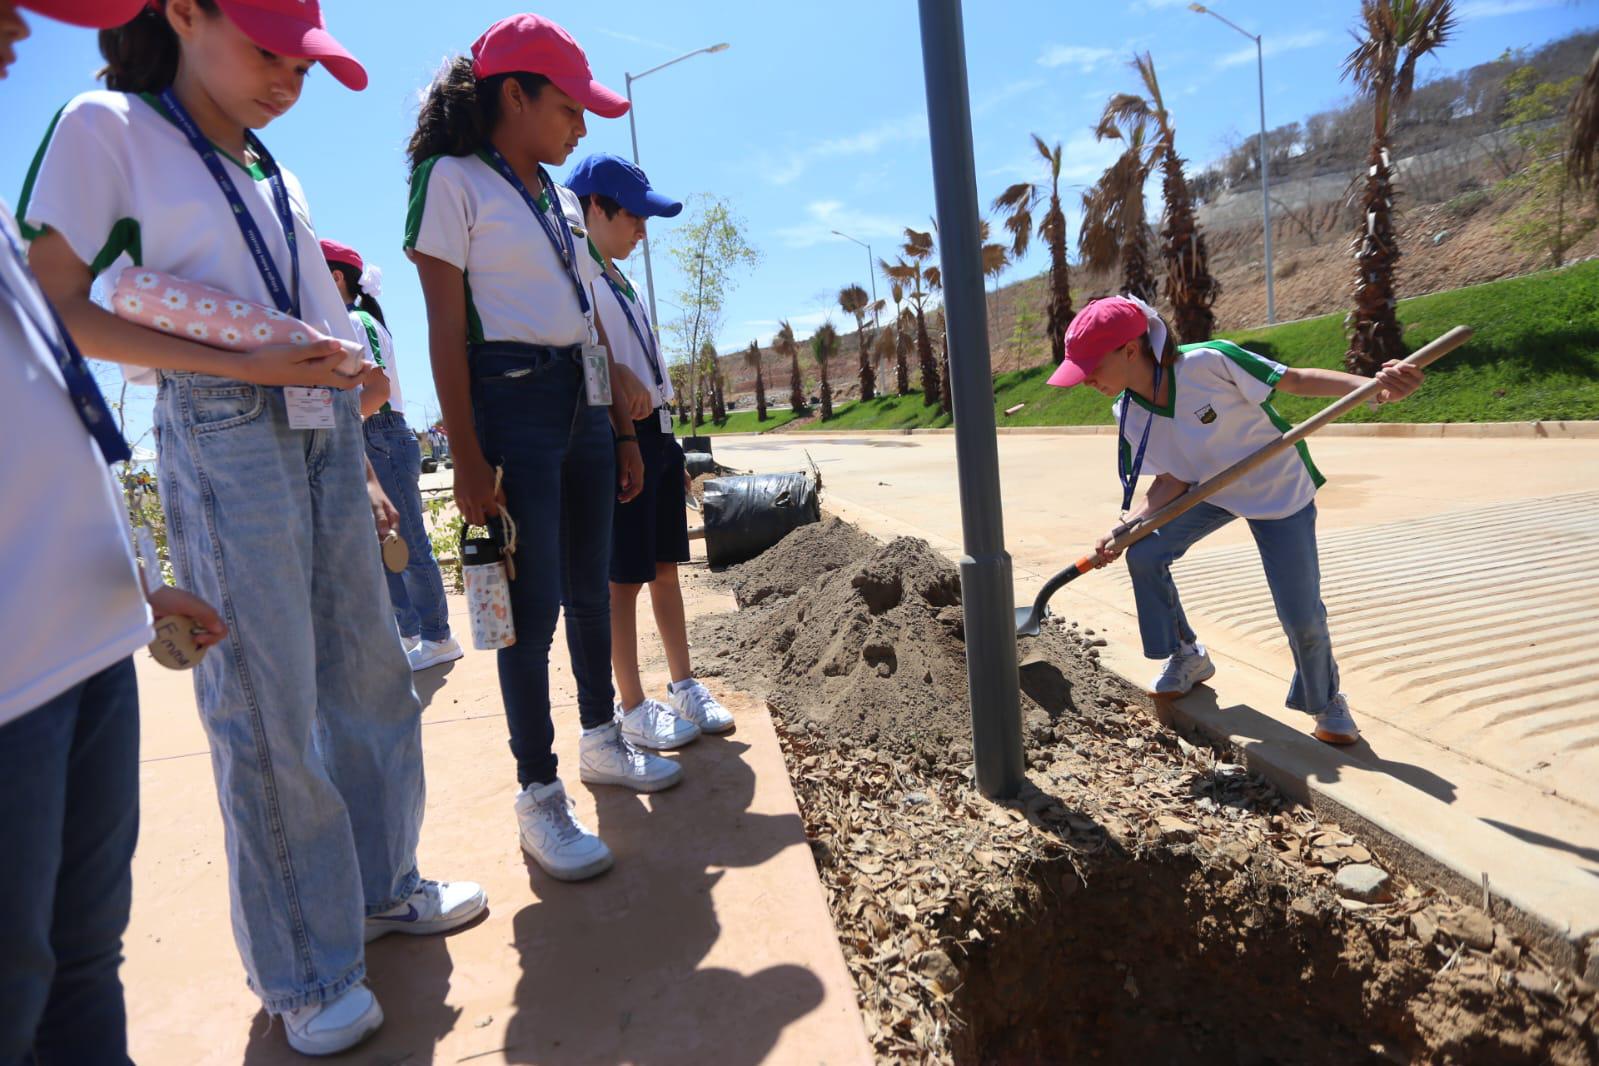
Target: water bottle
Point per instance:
(488, 592)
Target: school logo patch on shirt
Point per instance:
(1206, 414)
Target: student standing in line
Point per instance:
(69, 703)
(499, 249)
(315, 730)
(420, 609)
(649, 534)
(1186, 414)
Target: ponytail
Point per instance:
(1168, 352)
(363, 300)
(142, 55)
(459, 112)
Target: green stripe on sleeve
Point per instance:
(418, 203)
(1248, 361)
(33, 175)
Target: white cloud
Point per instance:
(1274, 46)
(1005, 94)
(1080, 56)
(822, 217)
(645, 41)
(863, 142)
(1487, 9)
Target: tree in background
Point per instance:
(884, 346)
(946, 396)
(904, 331)
(1018, 203)
(785, 344)
(1582, 121)
(710, 250)
(913, 268)
(679, 373)
(852, 299)
(1190, 287)
(1545, 214)
(1115, 230)
(752, 356)
(1391, 37)
(711, 375)
(824, 345)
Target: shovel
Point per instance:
(1029, 619)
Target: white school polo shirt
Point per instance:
(626, 348)
(118, 179)
(73, 602)
(379, 345)
(465, 213)
(1219, 410)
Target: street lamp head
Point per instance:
(713, 49)
(1199, 9)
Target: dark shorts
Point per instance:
(652, 527)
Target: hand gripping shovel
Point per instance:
(1029, 619)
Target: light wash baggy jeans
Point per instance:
(315, 729)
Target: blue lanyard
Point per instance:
(81, 389)
(565, 249)
(285, 297)
(1129, 478)
(645, 337)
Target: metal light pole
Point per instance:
(987, 594)
(1265, 181)
(632, 126)
(871, 272)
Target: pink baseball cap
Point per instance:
(292, 28)
(532, 44)
(334, 252)
(95, 14)
(1098, 329)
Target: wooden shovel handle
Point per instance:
(1130, 533)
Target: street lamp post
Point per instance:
(987, 595)
(871, 272)
(1265, 183)
(632, 126)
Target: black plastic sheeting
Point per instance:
(745, 515)
(697, 463)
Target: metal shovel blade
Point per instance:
(1030, 620)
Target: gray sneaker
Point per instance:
(1335, 725)
(1182, 672)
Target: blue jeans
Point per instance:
(418, 593)
(1293, 573)
(315, 730)
(69, 793)
(533, 419)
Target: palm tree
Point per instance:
(680, 385)
(711, 376)
(752, 356)
(946, 399)
(884, 347)
(1115, 229)
(1019, 202)
(1190, 287)
(924, 279)
(1391, 37)
(904, 331)
(785, 344)
(824, 345)
(854, 301)
(1582, 149)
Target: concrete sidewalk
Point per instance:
(710, 942)
(1461, 596)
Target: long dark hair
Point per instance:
(352, 285)
(1168, 354)
(142, 55)
(459, 112)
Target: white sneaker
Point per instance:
(409, 643)
(693, 701)
(608, 757)
(551, 833)
(434, 653)
(1335, 725)
(433, 907)
(654, 725)
(337, 1025)
(1183, 671)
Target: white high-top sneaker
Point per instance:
(654, 725)
(552, 834)
(337, 1025)
(694, 701)
(607, 757)
(1183, 671)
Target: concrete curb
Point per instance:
(1576, 430)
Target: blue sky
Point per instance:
(813, 120)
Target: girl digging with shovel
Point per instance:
(1186, 414)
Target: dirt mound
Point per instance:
(1145, 899)
(798, 560)
(871, 650)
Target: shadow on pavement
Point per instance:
(1547, 841)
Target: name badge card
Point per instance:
(666, 422)
(597, 374)
(309, 408)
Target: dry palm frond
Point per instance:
(1582, 150)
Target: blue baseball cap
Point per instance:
(604, 174)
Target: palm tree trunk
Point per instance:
(924, 352)
(868, 379)
(902, 369)
(796, 384)
(945, 399)
(1189, 284)
(1138, 277)
(760, 395)
(1060, 287)
(827, 393)
(1373, 325)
